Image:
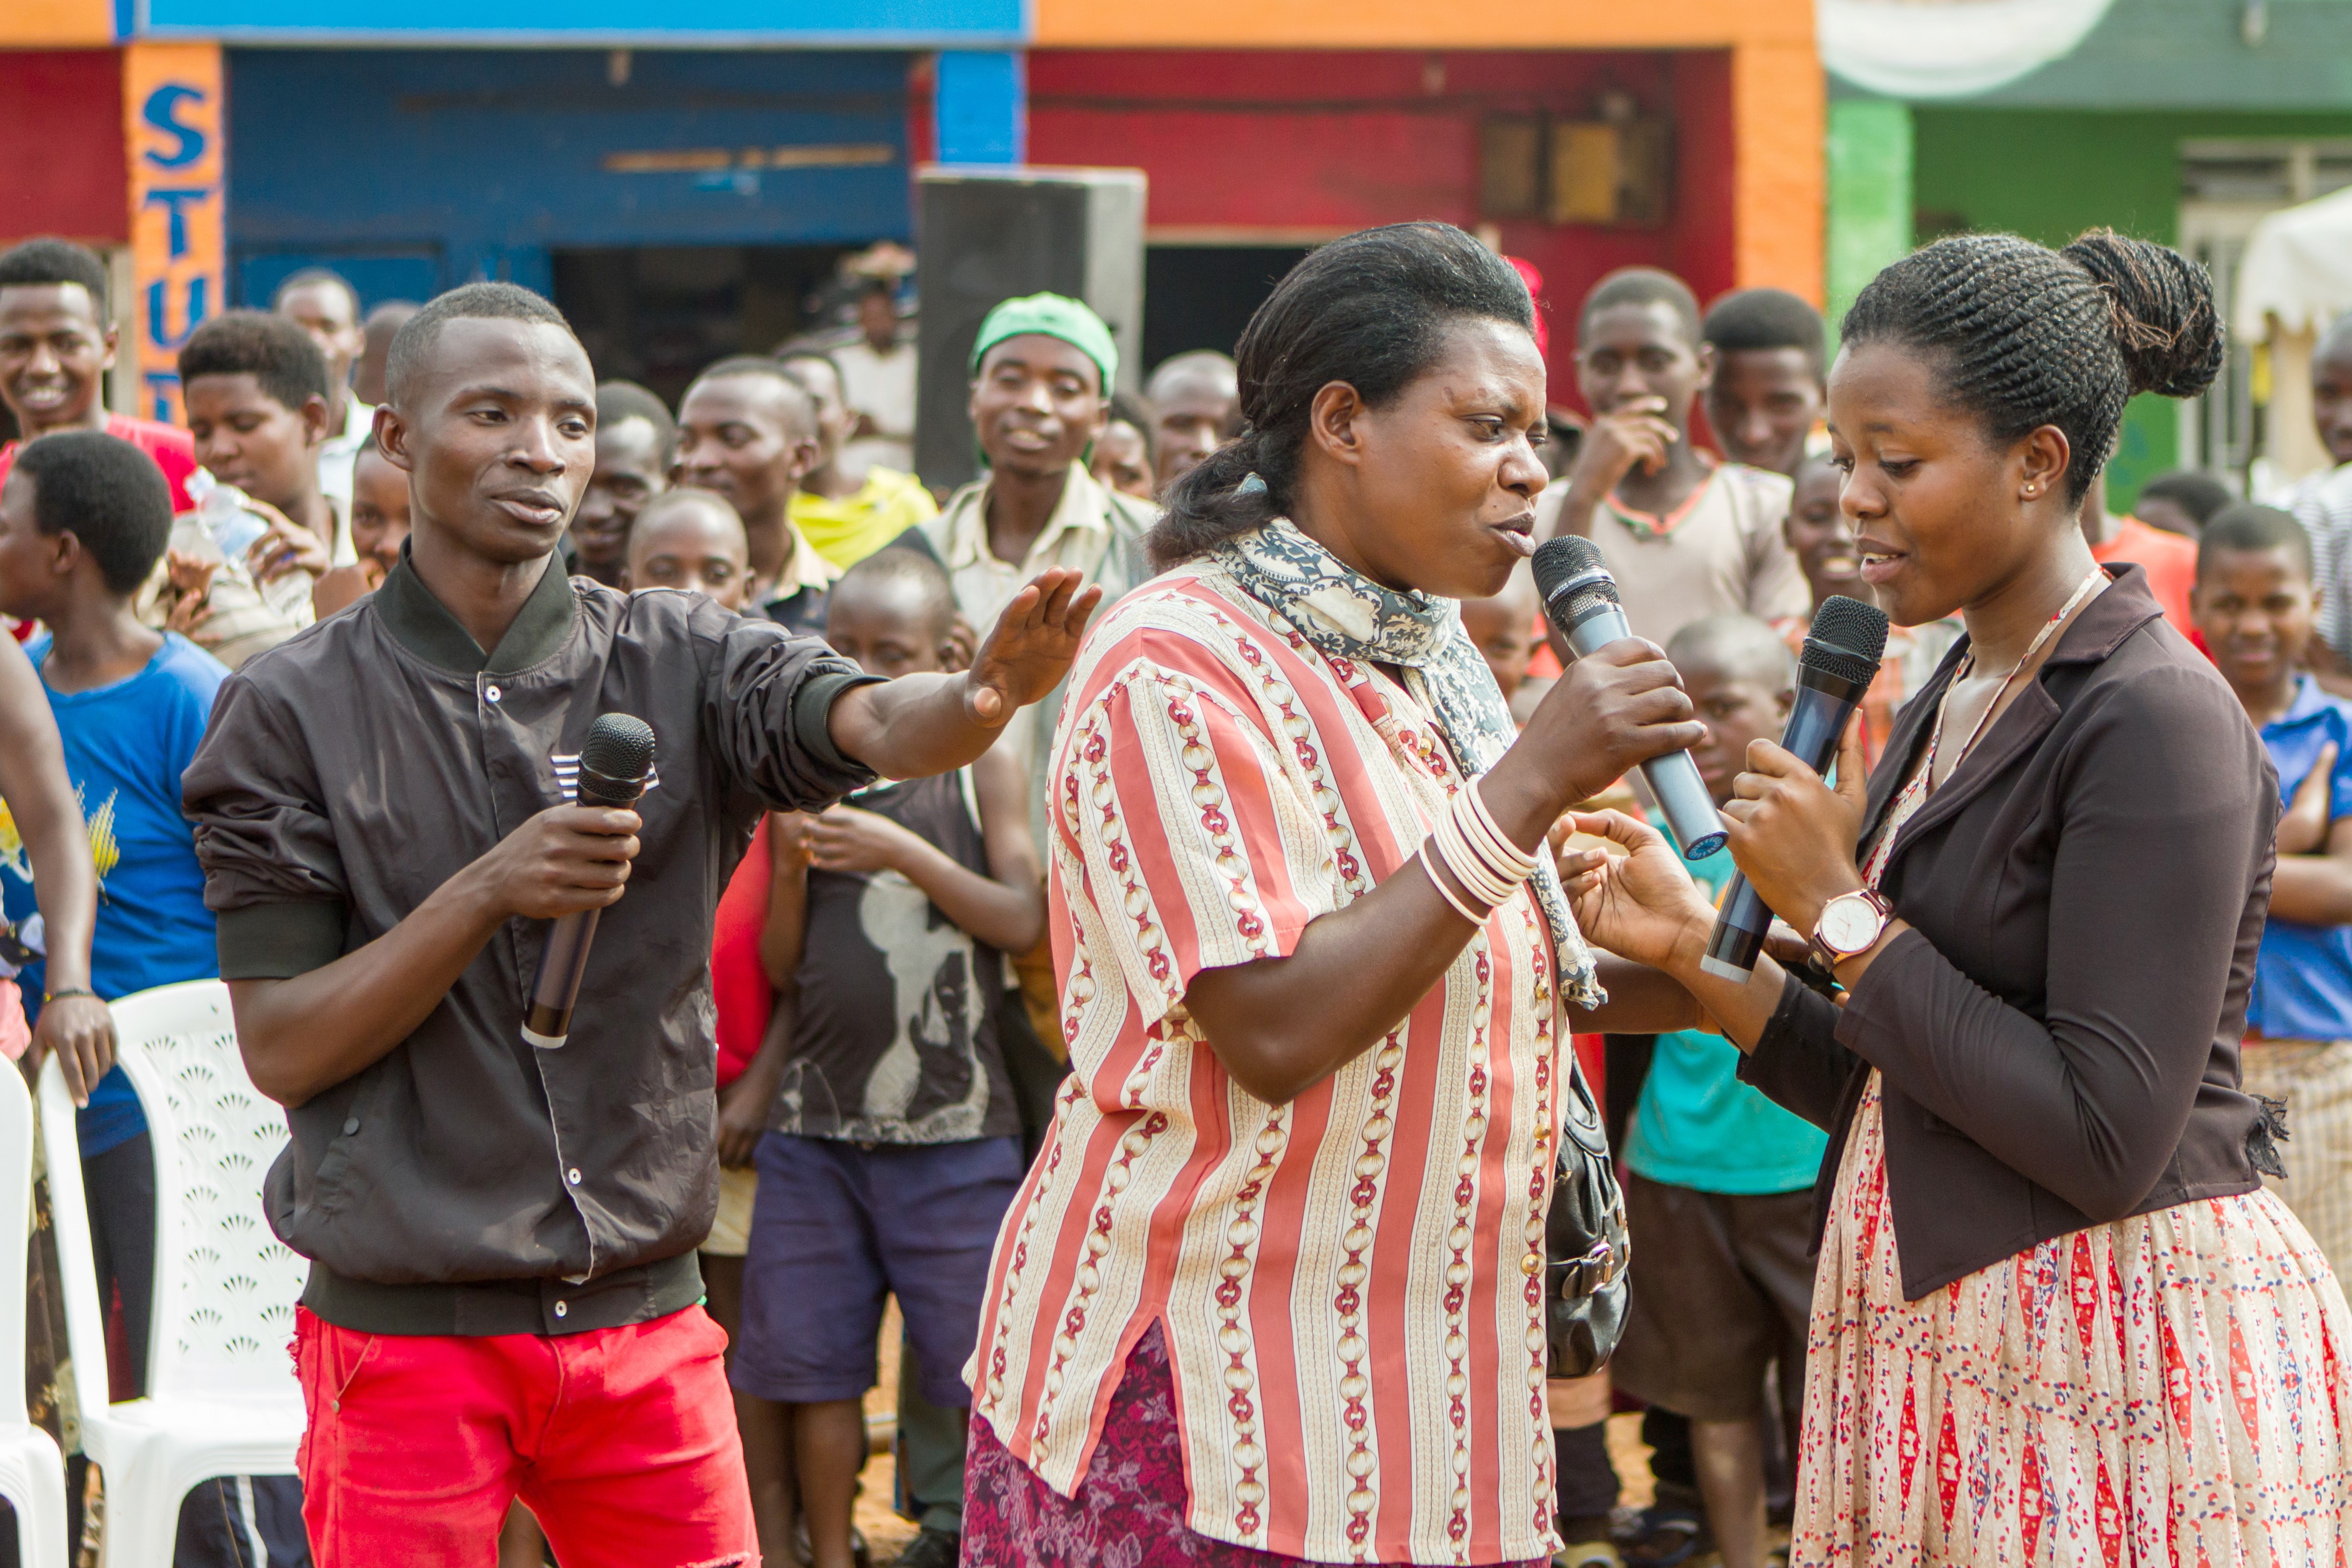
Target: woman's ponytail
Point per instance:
(1214, 500)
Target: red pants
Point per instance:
(622, 1441)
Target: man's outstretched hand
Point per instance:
(918, 726)
(1031, 647)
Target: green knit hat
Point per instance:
(1055, 315)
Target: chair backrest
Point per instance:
(224, 1285)
(15, 1226)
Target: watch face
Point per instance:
(1848, 925)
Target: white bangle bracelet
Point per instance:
(1429, 860)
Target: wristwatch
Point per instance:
(1851, 923)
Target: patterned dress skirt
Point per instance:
(2171, 1388)
(1129, 1509)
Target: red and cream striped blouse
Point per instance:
(1350, 1284)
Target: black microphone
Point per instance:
(1580, 600)
(1839, 661)
(616, 760)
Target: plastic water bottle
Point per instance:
(230, 524)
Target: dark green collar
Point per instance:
(420, 623)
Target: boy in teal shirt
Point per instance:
(1718, 1191)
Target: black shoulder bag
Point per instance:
(1585, 1243)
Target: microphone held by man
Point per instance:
(615, 761)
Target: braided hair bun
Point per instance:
(2026, 336)
(2163, 303)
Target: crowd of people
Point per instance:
(1085, 907)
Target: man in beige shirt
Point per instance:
(1686, 535)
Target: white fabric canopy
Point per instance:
(1949, 48)
(2298, 267)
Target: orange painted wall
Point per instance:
(56, 24)
(1777, 91)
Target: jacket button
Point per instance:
(561, 1309)
(492, 693)
(572, 1175)
(351, 1125)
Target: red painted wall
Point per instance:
(61, 120)
(1296, 139)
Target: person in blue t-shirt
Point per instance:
(1718, 1186)
(2256, 604)
(82, 522)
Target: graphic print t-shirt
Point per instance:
(895, 1041)
(126, 746)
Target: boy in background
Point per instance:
(56, 344)
(1685, 536)
(2255, 605)
(1718, 1190)
(1768, 394)
(1125, 459)
(1503, 629)
(255, 388)
(323, 303)
(637, 440)
(847, 520)
(379, 527)
(747, 431)
(894, 1146)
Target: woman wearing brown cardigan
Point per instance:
(2056, 1317)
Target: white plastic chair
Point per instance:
(221, 1395)
(32, 1474)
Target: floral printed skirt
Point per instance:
(2170, 1388)
(1129, 1510)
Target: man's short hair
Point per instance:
(1764, 318)
(2248, 526)
(52, 261)
(111, 496)
(1643, 285)
(272, 348)
(310, 275)
(898, 564)
(618, 402)
(765, 365)
(467, 302)
(1194, 365)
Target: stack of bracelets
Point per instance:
(1482, 862)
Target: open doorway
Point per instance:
(1201, 296)
(658, 314)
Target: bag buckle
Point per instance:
(1590, 1273)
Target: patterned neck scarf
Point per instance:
(1349, 616)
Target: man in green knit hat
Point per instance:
(1042, 371)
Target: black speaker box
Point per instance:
(987, 234)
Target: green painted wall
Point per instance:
(1871, 199)
(2048, 174)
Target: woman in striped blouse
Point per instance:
(1272, 1291)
